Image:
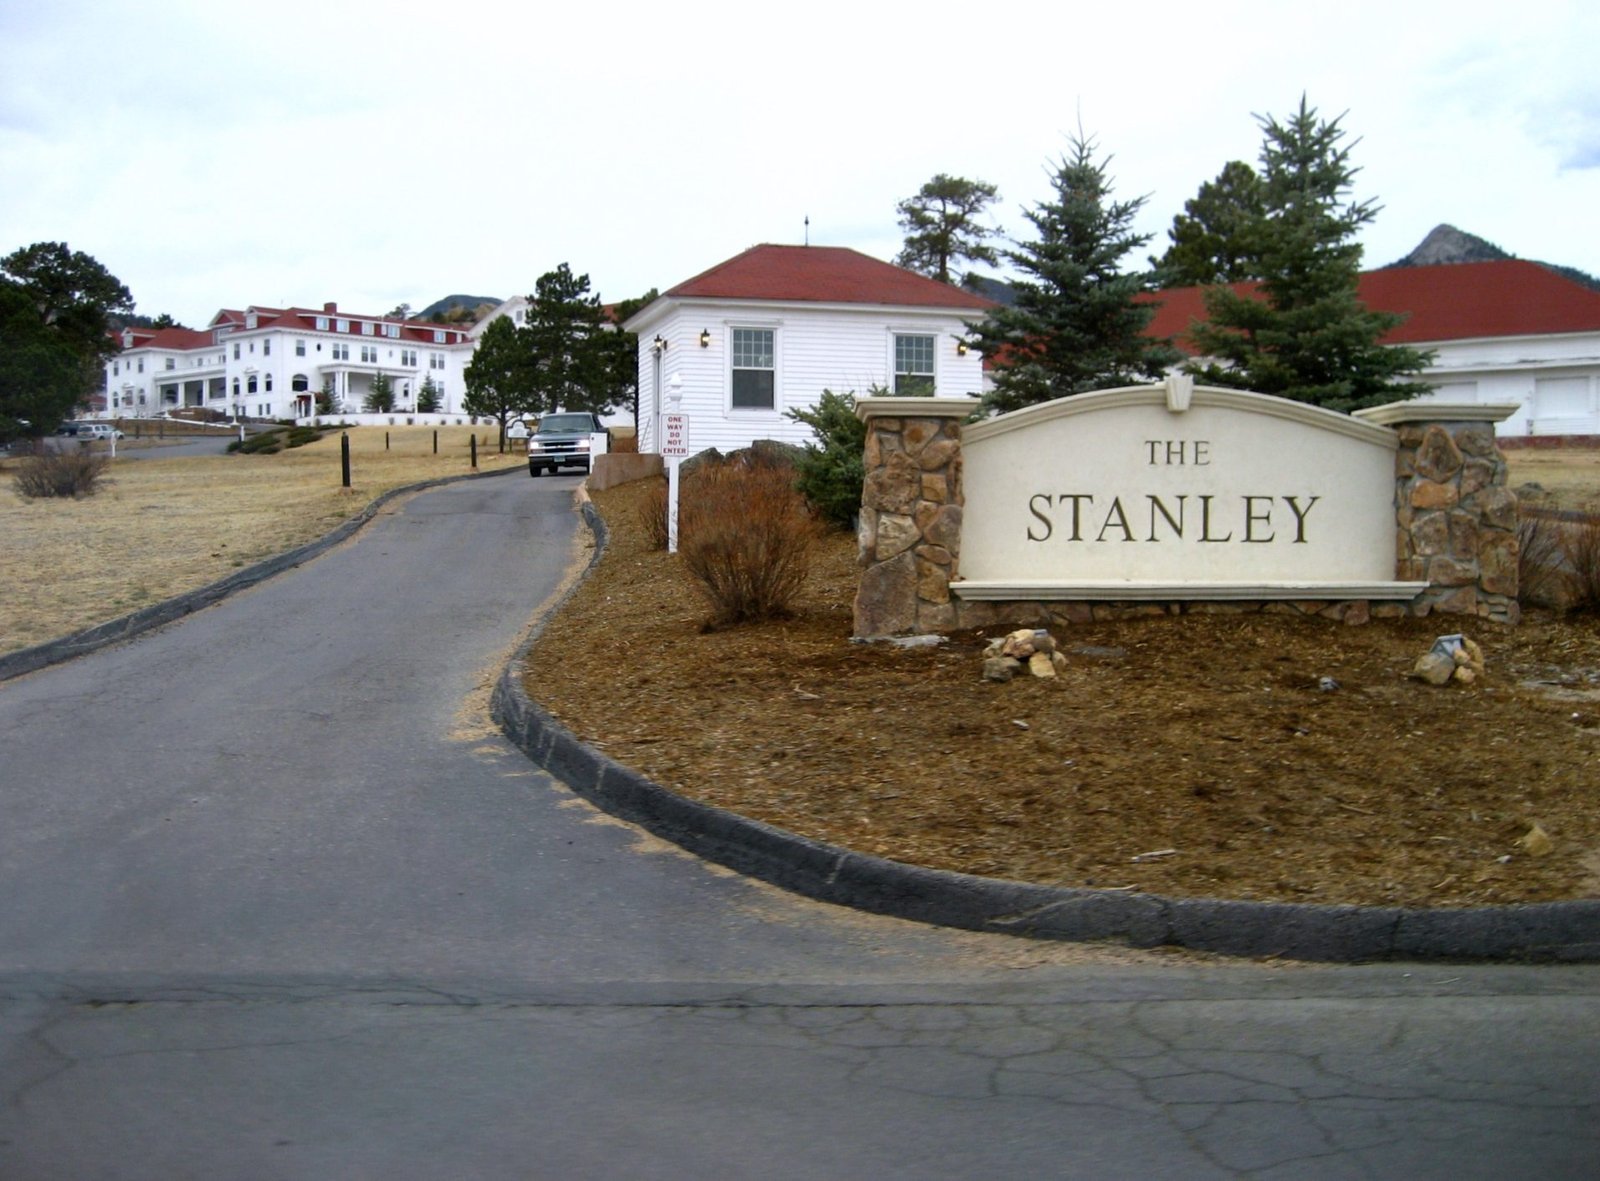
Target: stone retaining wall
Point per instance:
(1456, 528)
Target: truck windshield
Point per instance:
(565, 424)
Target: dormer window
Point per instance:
(341, 325)
(322, 323)
(366, 327)
(438, 336)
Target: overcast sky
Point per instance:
(216, 155)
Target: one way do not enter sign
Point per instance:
(675, 435)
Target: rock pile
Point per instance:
(1452, 658)
(1030, 649)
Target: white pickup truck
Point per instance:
(567, 439)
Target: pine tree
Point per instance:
(380, 396)
(941, 226)
(428, 396)
(1077, 324)
(572, 357)
(1303, 333)
(1211, 240)
(498, 378)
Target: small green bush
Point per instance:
(830, 472)
(68, 473)
(746, 535)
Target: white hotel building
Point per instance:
(271, 363)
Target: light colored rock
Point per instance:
(1537, 842)
(1040, 665)
(1060, 662)
(896, 534)
(1001, 668)
(1434, 668)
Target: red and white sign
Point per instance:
(675, 435)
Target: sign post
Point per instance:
(674, 449)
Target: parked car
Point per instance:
(98, 430)
(563, 440)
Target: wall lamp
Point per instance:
(705, 338)
(962, 348)
(659, 344)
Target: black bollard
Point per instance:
(474, 452)
(344, 457)
(386, 440)
(436, 442)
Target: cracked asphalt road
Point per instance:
(276, 902)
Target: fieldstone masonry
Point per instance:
(910, 530)
(1456, 529)
(1456, 521)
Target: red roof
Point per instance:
(822, 274)
(1451, 301)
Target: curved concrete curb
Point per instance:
(27, 660)
(1554, 931)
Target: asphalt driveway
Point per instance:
(276, 901)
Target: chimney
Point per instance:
(330, 308)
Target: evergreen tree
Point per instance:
(565, 331)
(1211, 240)
(1303, 333)
(56, 306)
(499, 376)
(428, 396)
(380, 396)
(941, 226)
(1077, 324)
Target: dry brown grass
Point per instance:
(1571, 476)
(159, 527)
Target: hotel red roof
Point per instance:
(1452, 301)
(822, 274)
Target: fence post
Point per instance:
(344, 457)
(474, 452)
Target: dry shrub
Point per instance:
(1541, 579)
(1580, 546)
(67, 473)
(747, 537)
(652, 510)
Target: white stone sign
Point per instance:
(1142, 491)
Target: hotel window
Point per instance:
(435, 360)
(408, 357)
(392, 331)
(913, 365)
(438, 336)
(299, 348)
(341, 325)
(754, 375)
(268, 382)
(366, 328)
(341, 352)
(235, 350)
(250, 383)
(322, 323)
(172, 362)
(266, 347)
(236, 387)
(369, 355)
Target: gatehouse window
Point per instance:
(913, 364)
(754, 373)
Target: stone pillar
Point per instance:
(1456, 521)
(911, 505)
